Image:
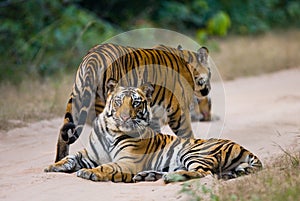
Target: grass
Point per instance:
(254, 55)
(197, 192)
(278, 181)
(35, 100)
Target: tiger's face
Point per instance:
(128, 108)
(201, 70)
(198, 65)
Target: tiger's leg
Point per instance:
(184, 175)
(240, 170)
(62, 147)
(201, 110)
(116, 172)
(168, 177)
(149, 175)
(159, 118)
(180, 122)
(72, 163)
(250, 164)
(243, 162)
(82, 99)
(197, 169)
(194, 165)
(155, 125)
(153, 175)
(67, 130)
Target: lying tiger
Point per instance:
(123, 148)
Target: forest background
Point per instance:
(43, 41)
(41, 38)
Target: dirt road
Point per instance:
(261, 113)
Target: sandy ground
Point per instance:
(261, 113)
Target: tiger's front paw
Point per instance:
(67, 164)
(51, 168)
(183, 175)
(91, 174)
(148, 176)
(58, 168)
(227, 175)
(173, 177)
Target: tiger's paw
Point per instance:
(173, 177)
(227, 175)
(148, 176)
(183, 175)
(244, 169)
(54, 168)
(65, 165)
(91, 174)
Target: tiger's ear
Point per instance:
(202, 55)
(179, 47)
(111, 85)
(148, 89)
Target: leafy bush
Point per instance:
(44, 37)
(252, 17)
(48, 40)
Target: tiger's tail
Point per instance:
(86, 97)
(81, 101)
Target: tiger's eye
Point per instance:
(118, 102)
(136, 103)
(201, 81)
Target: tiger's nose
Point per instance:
(125, 117)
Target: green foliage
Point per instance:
(252, 17)
(194, 15)
(40, 38)
(219, 24)
(47, 41)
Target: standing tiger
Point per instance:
(200, 107)
(176, 79)
(123, 148)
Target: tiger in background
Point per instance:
(176, 78)
(200, 107)
(123, 148)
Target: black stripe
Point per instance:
(227, 156)
(154, 100)
(121, 138)
(69, 116)
(233, 161)
(123, 147)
